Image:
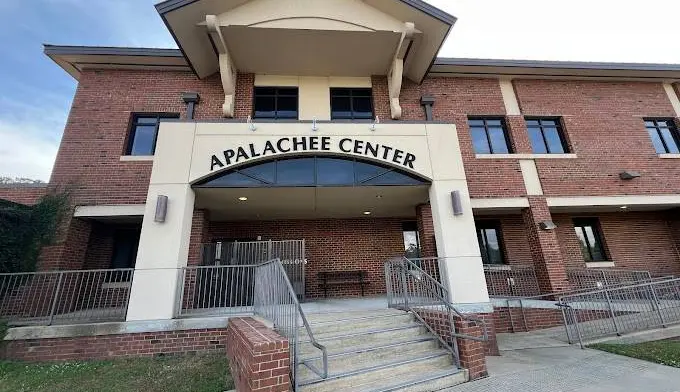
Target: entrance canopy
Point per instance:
(311, 187)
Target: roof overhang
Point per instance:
(529, 69)
(76, 59)
(333, 37)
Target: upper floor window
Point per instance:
(546, 136)
(276, 103)
(144, 132)
(351, 103)
(590, 239)
(664, 135)
(489, 238)
(489, 136)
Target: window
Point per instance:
(489, 136)
(546, 136)
(411, 240)
(351, 104)
(276, 103)
(590, 238)
(489, 238)
(143, 133)
(664, 135)
(311, 171)
(125, 244)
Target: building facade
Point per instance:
(337, 124)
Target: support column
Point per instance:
(545, 247)
(428, 246)
(199, 236)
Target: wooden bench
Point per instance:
(336, 278)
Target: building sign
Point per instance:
(285, 145)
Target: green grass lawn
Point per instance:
(665, 352)
(196, 373)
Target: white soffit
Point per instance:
(107, 211)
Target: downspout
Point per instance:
(427, 102)
(191, 100)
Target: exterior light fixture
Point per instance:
(374, 126)
(243, 198)
(251, 126)
(456, 203)
(547, 225)
(629, 175)
(161, 209)
(624, 207)
(367, 212)
(314, 126)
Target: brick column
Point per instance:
(472, 353)
(545, 247)
(428, 246)
(259, 357)
(199, 236)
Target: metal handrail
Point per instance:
(260, 303)
(438, 294)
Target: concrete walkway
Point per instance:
(556, 366)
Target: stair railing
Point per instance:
(410, 288)
(276, 300)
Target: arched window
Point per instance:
(311, 172)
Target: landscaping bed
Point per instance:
(186, 373)
(665, 352)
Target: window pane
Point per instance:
(363, 107)
(537, 143)
(532, 123)
(411, 246)
(548, 122)
(552, 136)
(649, 124)
(362, 92)
(583, 243)
(341, 107)
(670, 141)
(143, 143)
(264, 172)
(498, 142)
(494, 123)
(493, 247)
(235, 180)
(265, 107)
(595, 246)
(335, 171)
(393, 178)
(482, 246)
(656, 141)
(296, 172)
(476, 123)
(287, 107)
(479, 141)
(291, 92)
(365, 171)
(259, 91)
(146, 120)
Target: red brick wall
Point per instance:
(331, 245)
(509, 320)
(27, 195)
(111, 346)
(259, 358)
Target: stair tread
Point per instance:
(390, 344)
(367, 317)
(376, 379)
(349, 315)
(360, 332)
(345, 343)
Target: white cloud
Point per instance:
(24, 152)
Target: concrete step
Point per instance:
(436, 370)
(316, 318)
(361, 360)
(344, 327)
(363, 339)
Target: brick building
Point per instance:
(353, 136)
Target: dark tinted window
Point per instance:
(351, 103)
(664, 135)
(276, 102)
(489, 136)
(144, 132)
(590, 239)
(489, 238)
(411, 240)
(546, 136)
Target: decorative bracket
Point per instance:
(227, 69)
(396, 72)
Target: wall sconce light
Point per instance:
(457, 203)
(547, 225)
(314, 126)
(629, 175)
(374, 126)
(251, 126)
(161, 209)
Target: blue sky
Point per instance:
(35, 94)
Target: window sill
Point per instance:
(669, 156)
(116, 285)
(600, 264)
(498, 267)
(526, 156)
(136, 158)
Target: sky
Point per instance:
(35, 94)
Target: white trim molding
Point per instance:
(526, 156)
(607, 201)
(103, 211)
(136, 158)
(509, 97)
(600, 264)
(669, 156)
(673, 97)
(500, 203)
